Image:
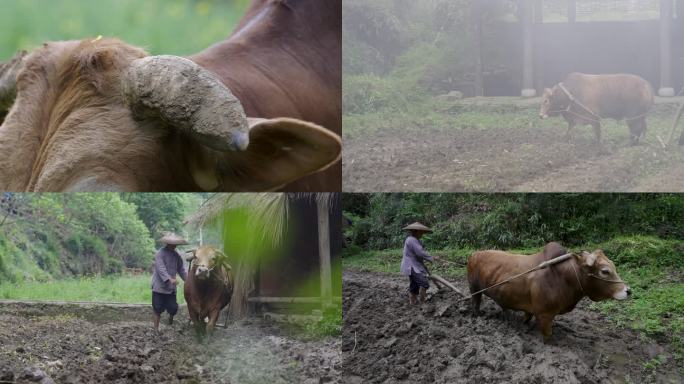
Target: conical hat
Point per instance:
(173, 239)
(417, 227)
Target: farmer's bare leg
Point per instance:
(413, 299)
(422, 292)
(156, 322)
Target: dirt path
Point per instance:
(506, 159)
(115, 345)
(385, 341)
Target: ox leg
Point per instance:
(545, 323)
(476, 300)
(571, 125)
(597, 132)
(636, 130)
(528, 317)
(213, 318)
(198, 324)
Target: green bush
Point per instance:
(640, 251)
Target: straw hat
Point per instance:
(417, 227)
(173, 239)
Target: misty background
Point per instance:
(397, 52)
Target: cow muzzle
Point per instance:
(202, 272)
(543, 116)
(623, 294)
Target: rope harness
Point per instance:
(596, 118)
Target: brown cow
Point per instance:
(547, 292)
(587, 99)
(208, 288)
(103, 115)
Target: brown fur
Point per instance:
(207, 296)
(293, 54)
(620, 96)
(544, 293)
(69, 129)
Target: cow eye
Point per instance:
(605, 271)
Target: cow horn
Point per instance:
(589, 258)
(8, 80)
(188, 97)
(190, 258)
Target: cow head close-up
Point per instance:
(100, 114)
(599, 278)
(553, 102)
(205, 260)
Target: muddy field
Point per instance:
(500, 158)
(77, 344)
(386, 341)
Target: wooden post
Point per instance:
(538, 56)
(572, 11)
(666, 89)
(476, 12)
(324, 250)
(528, 57)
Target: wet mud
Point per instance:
(39, 344)
(387, 341)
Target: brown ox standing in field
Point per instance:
(208, 288)
(587, 99)
(547, 292)
(100, 114)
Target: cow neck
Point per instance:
(559, 277)
(298, 37)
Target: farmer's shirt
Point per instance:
(167, 264)
(414, 254)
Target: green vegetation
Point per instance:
(640, 233)
(52, 236)
(179, 27)
(330, 325)
(117, 288)
(397, 53)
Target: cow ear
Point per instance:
(280, 151)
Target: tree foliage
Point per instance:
(162, 212)
(55, 235)
(397, 52)
(513, 220)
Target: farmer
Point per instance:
(412, 262)
(167, 264)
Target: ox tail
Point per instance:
(674, 125)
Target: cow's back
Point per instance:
(486, 268)
(616, 96)
(284, 60)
